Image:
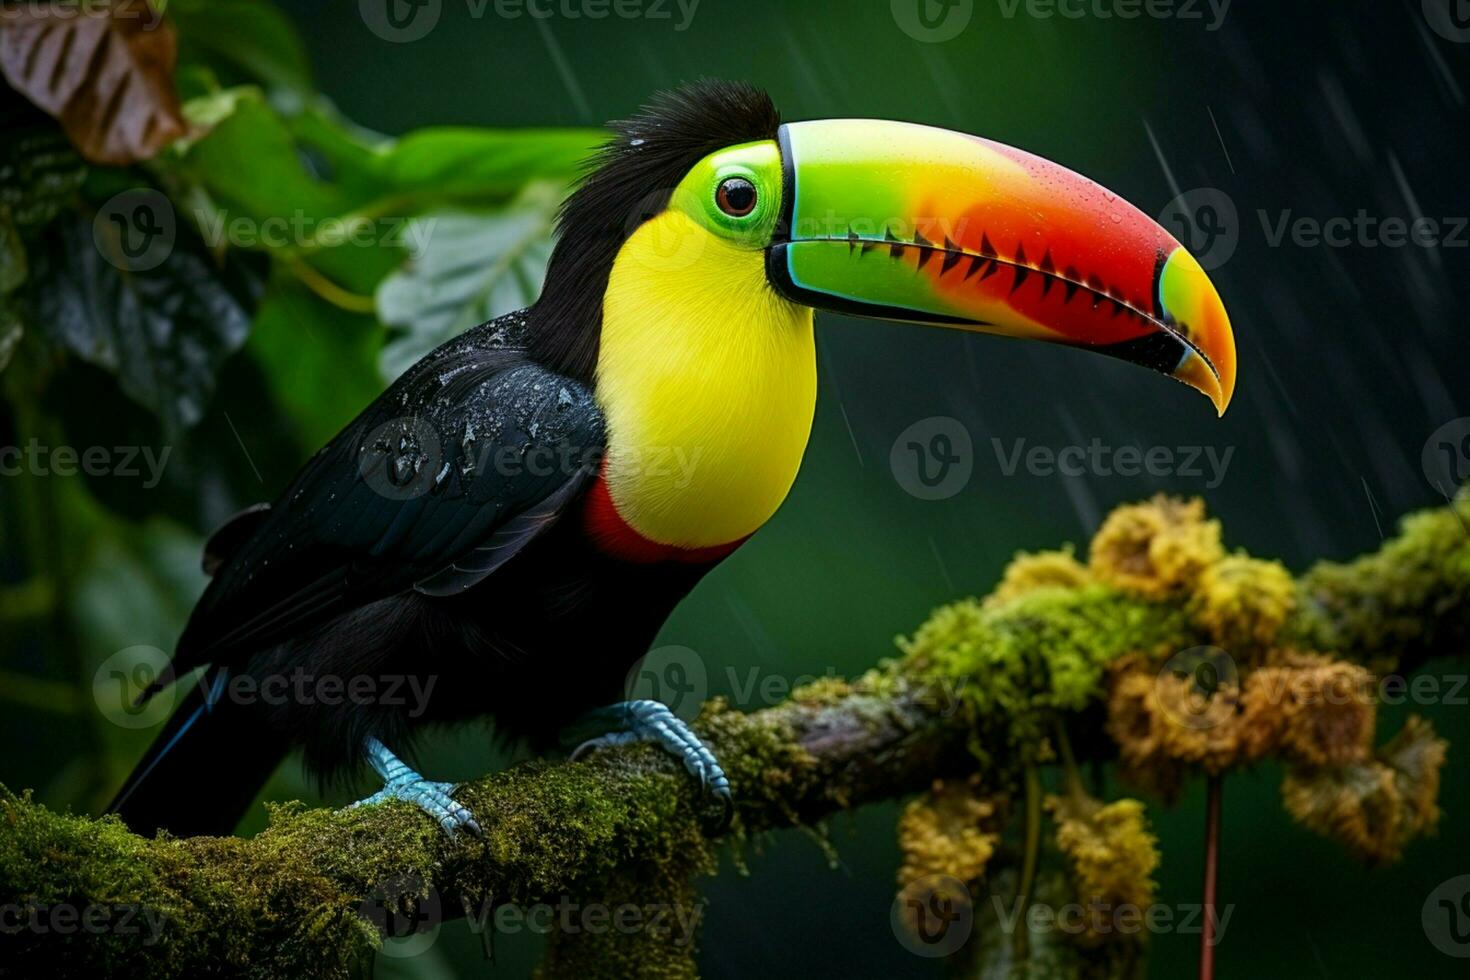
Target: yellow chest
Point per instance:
(708, 382)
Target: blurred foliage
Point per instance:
(184, 318)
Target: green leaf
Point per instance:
(339, 200)
(163, 332)
(347, 155)
(209, 110)
(250, 165)
(473, 268)
(242, 40)
(453, 162)
(319, 361)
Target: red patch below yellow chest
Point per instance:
(614, 537)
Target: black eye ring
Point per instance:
(736, 196)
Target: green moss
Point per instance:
(286, 903)
(1016, 664)
(1410, 599)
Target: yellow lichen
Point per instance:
(1157, 548)
(1304, 707)
(1243, 602)
(1416, 755)
(1375, 807)
(1043, 569)
(1309, 709)
(1110, 853)
(947, 831)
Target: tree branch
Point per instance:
(290, 901)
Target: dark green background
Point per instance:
(1349, 359)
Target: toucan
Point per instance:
(501, 531)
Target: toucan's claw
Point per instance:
(650, 721)
(402, 783)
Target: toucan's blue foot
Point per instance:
(402, 783)
(650, 721)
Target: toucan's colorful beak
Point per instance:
(909, 222)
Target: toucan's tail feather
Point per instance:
(204, 769)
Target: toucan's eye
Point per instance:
(735, 196)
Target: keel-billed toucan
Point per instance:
(501, 526)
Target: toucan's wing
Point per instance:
(446, 476)
(232, 535)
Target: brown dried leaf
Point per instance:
(105, 70)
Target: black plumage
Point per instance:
(438, 539)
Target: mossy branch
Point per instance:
(979, 690)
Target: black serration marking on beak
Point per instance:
(852, 239)
(926, 248)
(1022, 270)
(986, 265)
(1074, 282)
(1049, 271)
(952, 256)
(1120, 305)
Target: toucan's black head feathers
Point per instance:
(627, 182)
